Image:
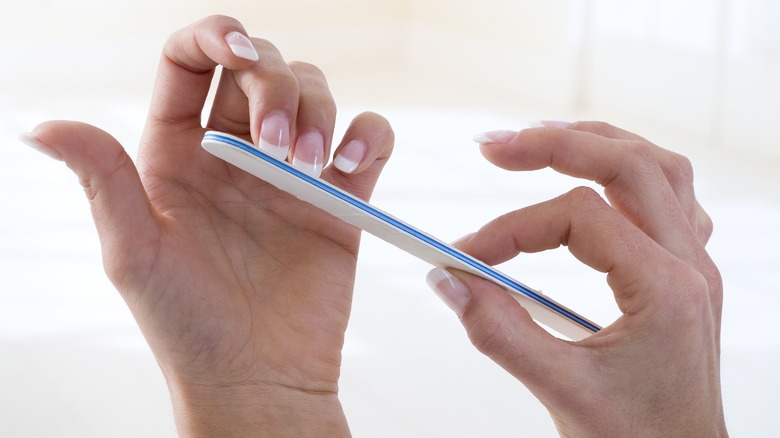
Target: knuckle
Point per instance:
(705, 226)
(679, 170)
(583, 197)
(697, 296)
(640, 151)
(302, 68)
(692, 298)
(639, 157)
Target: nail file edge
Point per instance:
(367, 217)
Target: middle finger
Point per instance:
(261, 102)
(629, 170)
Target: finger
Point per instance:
(186, 69)
(629, 170)
(605, 130)
(124, 218)
(315, 121)
(595, 234)
(500, 328)
(601, 238)
(361, 155)
(260, 101)
(676, 168)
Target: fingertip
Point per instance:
(216, 39)
(450, 289)
(361, 155)
(85, 149)
(463, 240)
(241, 46)
(506, 136)
(368, 139)
(309, 153)
(29, 139)
(561, 124)
(349, 157)
(498, 137)
(502, 329)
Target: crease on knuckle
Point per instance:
(583, 199)
(639, 156)
(309, 70)
(91, 182)
(679, 171)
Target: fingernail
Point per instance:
(275, 136)
(350, 156)
(500, 137)
(450, 289)
(309, 153)
(462, 239)
(28, 140)
(549, 124)
(241, 46)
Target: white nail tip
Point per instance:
(27, 139)
(344, 164)
(311, 169)
(244, 52)
(482, 138)
(278, 152)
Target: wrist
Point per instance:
(262, 409)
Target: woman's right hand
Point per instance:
(655, 371)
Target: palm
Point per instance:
(239, 267)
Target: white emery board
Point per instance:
(365, 216)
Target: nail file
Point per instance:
(365, 216)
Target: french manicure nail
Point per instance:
(275, 135)
(28, 140)
(241, 46)
(450, 289)
(500, 137)
(309, 153)
(549, 124)
(350, 156)
(462, 239)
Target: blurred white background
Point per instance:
(699, 77)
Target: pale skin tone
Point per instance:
(653, 372)
(243, 292)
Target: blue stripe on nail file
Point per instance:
(365, 216)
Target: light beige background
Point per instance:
(697, 76)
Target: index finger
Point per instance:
(187, 67)
(629, 169)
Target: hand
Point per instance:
(655, 370)
(242, 291)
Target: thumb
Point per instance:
(120, 207)
(499, 326)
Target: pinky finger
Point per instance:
(361, 155)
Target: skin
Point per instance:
(242, 291)
(653, 372)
